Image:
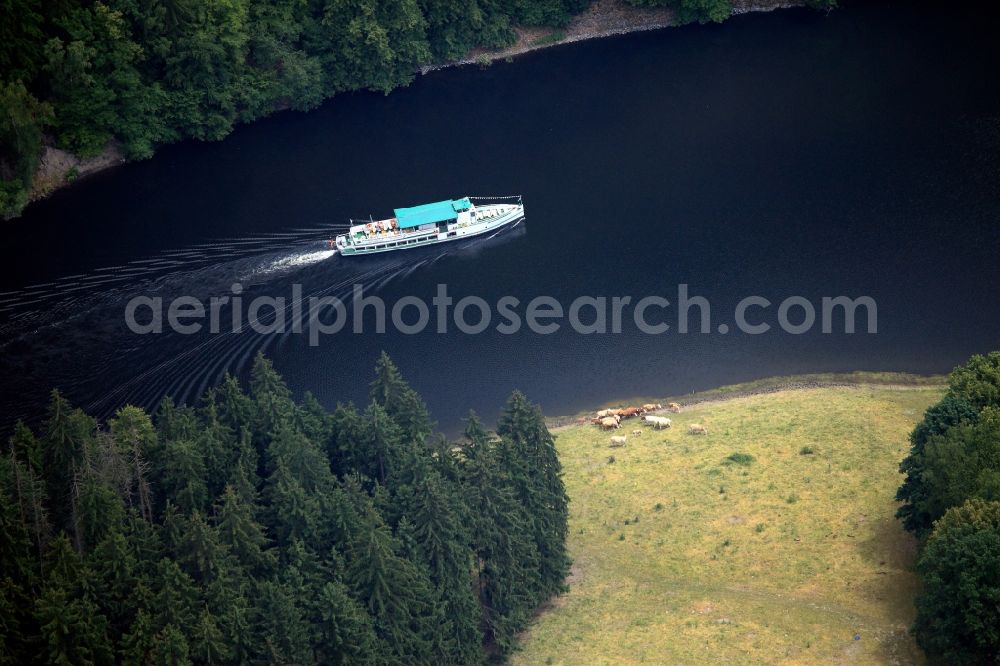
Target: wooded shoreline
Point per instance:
(59, 168)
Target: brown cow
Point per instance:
(697, 429)
(674, 407)
(610, 422)
(649, 407)
(628, 412)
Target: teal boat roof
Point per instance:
(438, 211)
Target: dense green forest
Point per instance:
(254, 529)
(951, 501)
(78, 74)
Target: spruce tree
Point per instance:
(272, 400)
(393, 589)
(380, 448)
(26, 447)
(171, 647)
(241, 534)
(175, 422)
(97, 511)
(313, 421)
(346, 427)
(236, 410)
(67, 433)
(72, 628)
(137, 645)
(120, 588)
(280, 625)
(182, 476)
(208, 644)
(218, 445)
(529, 451)
(291, 512)
(370, 542)
(346, 630)
(202, 554)
(390, 392)
(507, 558)
(441, 535)
(175, 600)
(139, 447)
(24, 517)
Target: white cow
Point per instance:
(618, 440)
(658, 422)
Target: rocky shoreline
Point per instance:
(604, 18)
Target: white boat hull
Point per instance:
(489, 218)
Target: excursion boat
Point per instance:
(437, 222)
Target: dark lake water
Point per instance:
(791, 153)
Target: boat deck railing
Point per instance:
(361, 237)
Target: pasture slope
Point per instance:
(686, 554)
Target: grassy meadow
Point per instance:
(769, 540)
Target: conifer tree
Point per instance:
(393, 589)
(23, 517)
(208, 645)
(182, 476)
(15, 620)
(370, 542)
(380, 448)
(241, 534)
(313, 421)
(346, 630)
(97, 510)
(120, 588)
(139, 447)
(137, 645)
(175, 422)
(441, 536)
(201, 553)
(171, 647)
(291, 513)
(72, 629)
(394, 395)
(236, 410)
(346, 428)
(176, 598)
(530, 453)
(301, 457)
(507, 559)
(66, 434)
(280, 625)
(26, 447)
(272, 399)
(218, 445)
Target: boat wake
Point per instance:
(293, 261)
(70, 333)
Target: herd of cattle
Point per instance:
(611, 419)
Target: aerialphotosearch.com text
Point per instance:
(319, 316)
